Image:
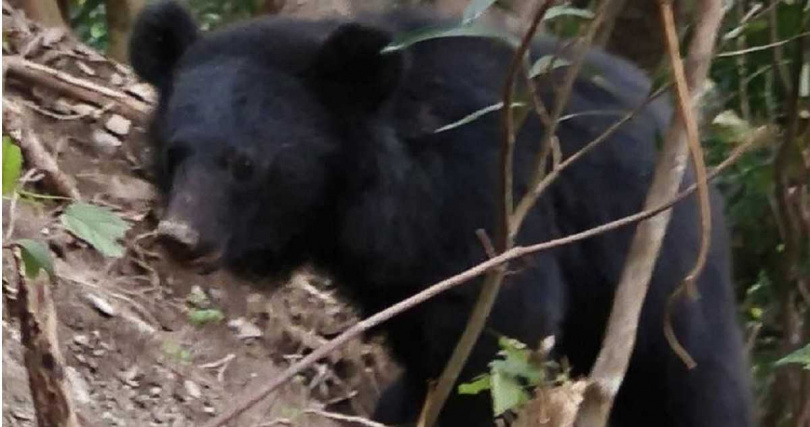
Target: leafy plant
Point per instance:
(36, 256)
(200, 317)
(800, 357)
(12, 165)
(511, 376)
(96, 225)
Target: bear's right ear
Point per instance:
(351, 70)
(160, 36)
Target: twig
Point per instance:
(76, 87)
(608, 372)
(537, 184)
(503, 237)
(348, 418)
(778, 54)
(742, 86)
(38, 157)
(772, 45)
(15, 198)
(517, 252)
(693, 140)
(526, 204)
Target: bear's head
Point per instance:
(251, 128)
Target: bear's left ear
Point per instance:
(350, 69)
(161, 34)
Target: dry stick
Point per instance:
(778, 54)
(608, 372)
(43, 360)
(76, 87)
(504, 240)
(38, 157)
(773, 45)
(690, 124)
(523, 208)
(517, 252)
(742, 86)
(536, 185)
(353, 419)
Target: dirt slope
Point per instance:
(134, 357)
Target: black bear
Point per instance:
(280, 142)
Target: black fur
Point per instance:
(301, 142)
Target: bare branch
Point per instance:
(504, 238)
(36, 156)
(608, 371)
(73, 86)
(773, 45)
(537, 184)
(43, 360)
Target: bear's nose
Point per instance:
(180, 234)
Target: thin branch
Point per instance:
(270, 385)
(503, 238)
(527, 203)
(124, 104)
(538, 183)
(608, 372)
(778, 54)
(36, 156)
(742, 86)
(773, 45)
(346, 418)
(686, 111)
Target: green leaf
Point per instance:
(475, 115)
(561, 11)
(12, 165)
(507, 393)
(516, 363)
(477, 385)
(408, 39)
(201, 317)
(800, 356)
(475, 9)
(36, 256)
(96, 225)
(546, 64)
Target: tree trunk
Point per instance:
(120, 16)
(46, 12)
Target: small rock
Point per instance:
(192, 389)
(198, 298)
(155, 391)
(244, 329)
(128, 376)
(105, 141)
(118, 125)
(52, 35)
(116, 79)
(82, 340)
(102, 305)
(209, 410)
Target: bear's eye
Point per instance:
(241, 167)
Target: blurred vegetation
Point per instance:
(766, 190)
